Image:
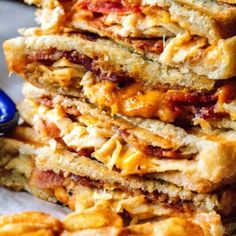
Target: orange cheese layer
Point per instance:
(135, 101)
(131, 101)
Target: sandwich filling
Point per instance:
(127, 95)
(83, 191)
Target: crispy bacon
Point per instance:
(193, 98)
(228, 203)
(46, 57)
(155, 46)
(108, 6)
(150, 149)
(156, 197)
(52, 130)
(162, 153)
(52, 55)
(87, 152)
(72, 111)
(206, 112)
(46, 101)
(87, 182)
(227, 92)
(46, 179)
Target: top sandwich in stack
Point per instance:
(186, 34)
(170, 60)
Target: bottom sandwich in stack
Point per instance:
(98, 211)
(85, 159)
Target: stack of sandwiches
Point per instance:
(129, 105)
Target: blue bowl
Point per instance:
(8, 113)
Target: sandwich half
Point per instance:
(83, 183)
(192, 35)
(116, 79)
(196, 160)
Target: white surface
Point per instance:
(15, 15)
(14, 202)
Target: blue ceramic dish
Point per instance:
(8, 113)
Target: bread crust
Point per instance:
(228, 1)
(150, 72)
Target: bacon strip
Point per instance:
(87, 182)
(108, 6)
(51, 180)
(48, 57)
(46, 179)
(150, 149)
(154, 46)
(52, 130)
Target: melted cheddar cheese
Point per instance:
(135, 101)
(131, 101)
(132, 161)
(109, 147)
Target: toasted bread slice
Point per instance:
(105, 53)
(228, 1)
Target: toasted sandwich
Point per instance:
(124, 82)
(193, 35)
(196, 160)
(83, 183)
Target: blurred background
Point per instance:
(13, 15)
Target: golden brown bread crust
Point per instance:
(215, 9)
(228, 1)
(106, 52)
